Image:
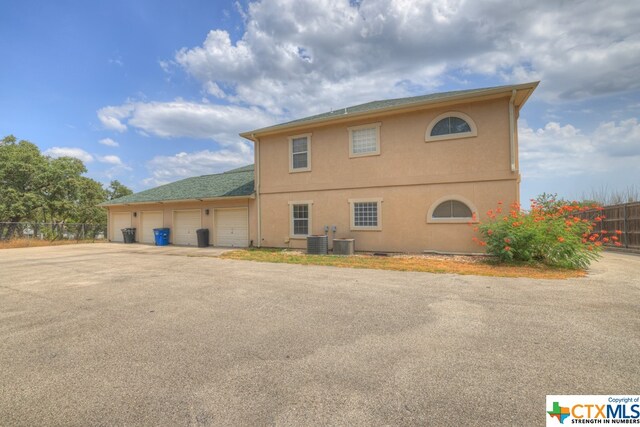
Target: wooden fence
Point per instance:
(624, 217)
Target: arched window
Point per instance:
(454, 209)
(451, 125)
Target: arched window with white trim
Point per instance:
(451, 125)
(451, 209)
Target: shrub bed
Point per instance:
(551, 232)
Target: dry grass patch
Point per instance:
(27, 243)
(421, 263)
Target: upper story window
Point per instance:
(300, 153)
(364, 140)
(451, 209)
(451, 125)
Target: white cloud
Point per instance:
(166, 169)
(179, 118)
(116, 61)
(619, 140)
(558, 150)
(194, 120)
(183, 119)
(298, 57)
(77, 153)
(111, 117)
(110, 159)
(109, 142)
(117, 171)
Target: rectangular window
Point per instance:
(364, 140)
(300, 214)
(299, 153)
(366, 214)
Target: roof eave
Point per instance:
(160, 202)
(528, 87)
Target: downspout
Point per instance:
(257, 185)
(512, 127)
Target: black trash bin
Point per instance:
(129, 235)
(203, 237)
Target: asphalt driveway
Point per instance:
(109, 334)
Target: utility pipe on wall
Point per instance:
(512, 127)
(256, 173)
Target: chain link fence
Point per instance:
(49, 231)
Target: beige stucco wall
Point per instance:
(409, 175)
(404, 216)
(405, 157)
(207, 220)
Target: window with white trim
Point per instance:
(364, 140)
(300, 153)
(300, 214)
(451, 125)
(366, 214)
(452, 209)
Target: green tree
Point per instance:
(116, 190)
(60, 188)
(20, 167)
(38, 188)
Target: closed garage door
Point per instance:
(185, 224)
(232, 227)
(119, 220)
(148, 221)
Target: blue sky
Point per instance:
(148, 92)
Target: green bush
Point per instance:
(552, 233)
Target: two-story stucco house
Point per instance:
(400, 175)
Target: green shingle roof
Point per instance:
(391, 103)
(233, 183)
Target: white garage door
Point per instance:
(185, 224)
(119, 220)
(148, 221)
(232, 227)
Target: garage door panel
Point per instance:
(119, 220)
(232, 228)
(148, 221)
(185, 224)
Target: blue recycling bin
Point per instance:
(162, 236)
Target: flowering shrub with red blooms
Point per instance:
(550, 233)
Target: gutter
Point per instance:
(256, 168)
(162, 202)
(512, 142)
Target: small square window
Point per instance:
(364, 140)
(366, 214)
